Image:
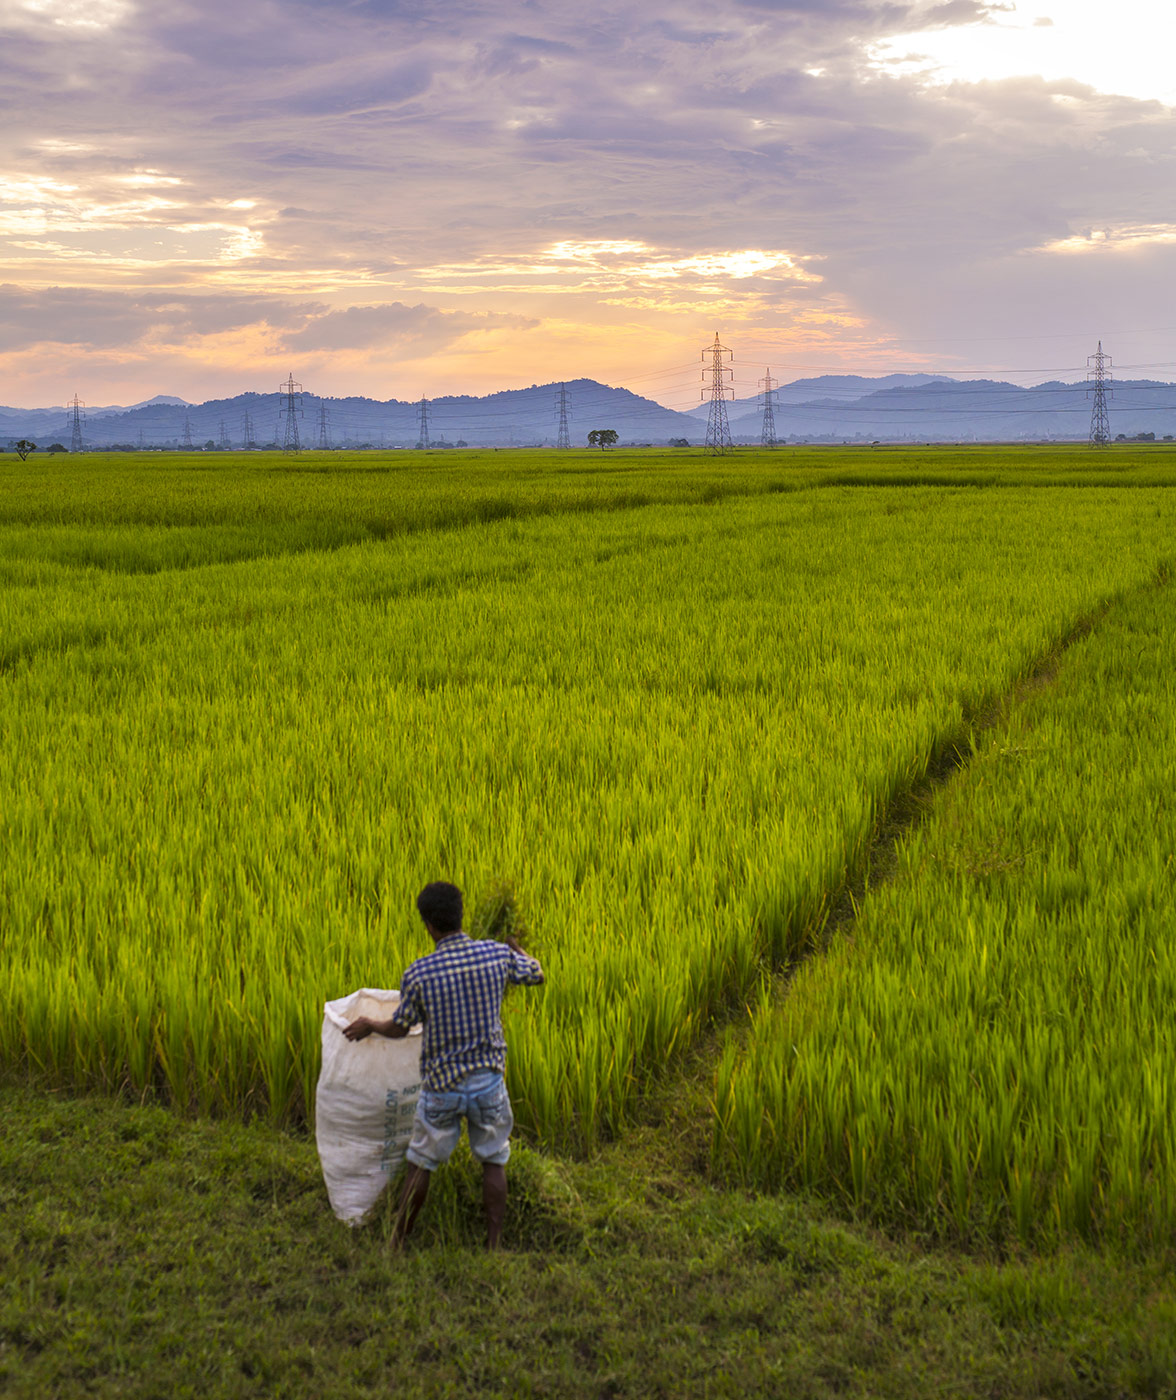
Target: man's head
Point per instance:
(439, 905)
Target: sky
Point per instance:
(400, 200)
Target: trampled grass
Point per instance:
(670, 728)
(143, 1254)
(992, 1051)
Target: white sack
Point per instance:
(364, 1106)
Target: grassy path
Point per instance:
(144, 1255)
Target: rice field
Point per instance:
(250, 706)
(991, 1053)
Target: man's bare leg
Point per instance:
(493, 1202)
(412, 1197)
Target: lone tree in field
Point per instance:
(602, 437)
(24, 447)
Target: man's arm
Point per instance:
(398, 1025)
(363, 1026)
(524, 969)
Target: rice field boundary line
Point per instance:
(678, 1118)
(909, 809)
(495, 510)
(86, 637)
(675, 1113)
(31, 652)
(94, 635)
(492, 513)
(1005, 1001)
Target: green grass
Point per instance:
(670, 728)
(145, 1255)
(659, 704)
(143, 512)
(991, 1051)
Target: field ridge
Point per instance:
(909, 809)
(1004, 1000)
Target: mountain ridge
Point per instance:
(828, 408)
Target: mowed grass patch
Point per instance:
(142, 1255)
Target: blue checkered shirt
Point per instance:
(457, 993)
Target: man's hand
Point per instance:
(535, 979)
(363, 1026)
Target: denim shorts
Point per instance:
(481, 1099)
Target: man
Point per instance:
(456, 990)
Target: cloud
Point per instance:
(77, 16)
(417, 328)
(328, 178)
(356, 87)
(1121, 239)
(116, 213)
(609, 264)
(113, 320)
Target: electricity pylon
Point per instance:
(291, 411)
(223, 441)
(1098, 374)
(768, 385)
(718, 432)
(76, 419)
(187, 442)
(324, 439)
(564, 437)
(248, 440)
(423, 408)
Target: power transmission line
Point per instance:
(291, 411)
(76, 419)
(718, 432)
(564, 437)
(423, 410)
(1098, 374)
(768, 434)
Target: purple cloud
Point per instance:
(350, 151)
(416, 327)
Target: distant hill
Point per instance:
(944, 410)
(830, 408)
(829, 386)
(521, 417)
(55, 423)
